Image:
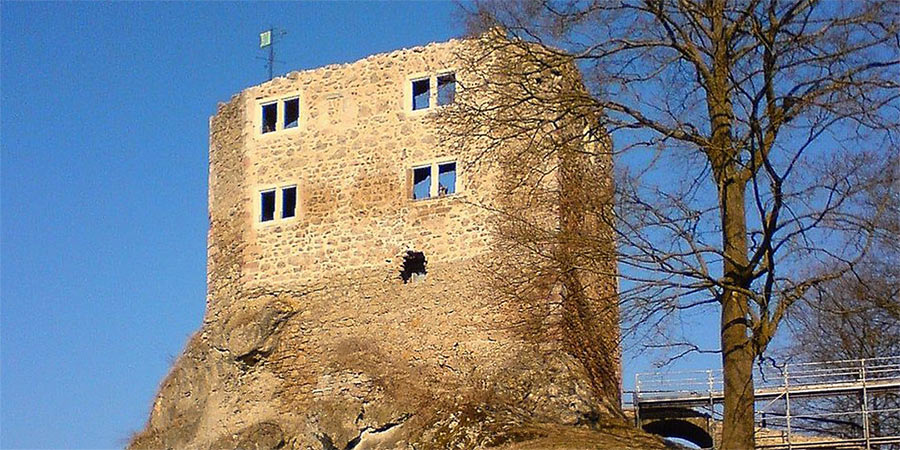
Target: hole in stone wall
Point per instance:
(413, 266)
(252, 358)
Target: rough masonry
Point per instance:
(311, 338)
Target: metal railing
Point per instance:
(796, 404)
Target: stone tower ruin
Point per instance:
(346, 302)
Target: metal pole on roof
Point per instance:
(267, 39)
(271, 58)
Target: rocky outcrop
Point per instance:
(247, 382)
(313, 337)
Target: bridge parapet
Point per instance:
(789, 403)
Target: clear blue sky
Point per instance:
(104, 162)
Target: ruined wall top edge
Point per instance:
(294, 75)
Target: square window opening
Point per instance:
(269, 117)
(291, 113)
(288, 202)
(421, 94)
(267, 206)
(446, 89)
(446, 179)
(421, 182)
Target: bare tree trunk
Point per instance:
(737, 351)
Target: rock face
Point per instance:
(312, 339)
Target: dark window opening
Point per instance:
(446, 89)
(291, 113)
(269, 117)
(288, 202)
(421, 94)
(446, 179)
(267, 204)
(421, 182)
(413, 266)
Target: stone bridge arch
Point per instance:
(683, 423)
(680, 428)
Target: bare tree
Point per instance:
(857, 316)
(744, 132)
(853, 317)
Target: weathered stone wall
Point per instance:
(311, 340)
(350, 158)
(229, 205)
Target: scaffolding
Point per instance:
(829, 404)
